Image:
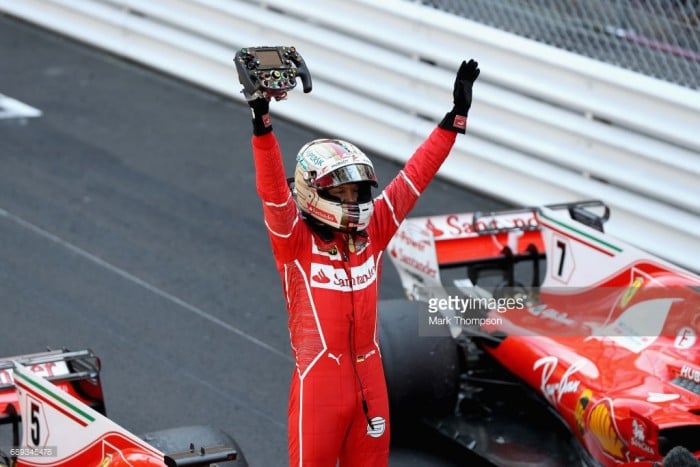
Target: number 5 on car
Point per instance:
(59, 430)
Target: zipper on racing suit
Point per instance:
(365, 407)
(349, 245)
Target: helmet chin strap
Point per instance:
(322, 230)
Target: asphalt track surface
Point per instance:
(129, 224)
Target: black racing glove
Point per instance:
(456, 119)
(260, 107)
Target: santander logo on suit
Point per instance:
(325, 276)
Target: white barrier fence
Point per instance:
(546, 125)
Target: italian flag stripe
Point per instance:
(57, 401)
(593, 238)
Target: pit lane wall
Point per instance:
(546, 126)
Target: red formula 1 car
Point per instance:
(54, 404)
(542, 340)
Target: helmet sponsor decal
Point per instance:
(377, 427)
(320, 214)
(315, 159)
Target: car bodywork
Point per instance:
(573, 347)
(55, 405)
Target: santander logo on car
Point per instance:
(463, 225)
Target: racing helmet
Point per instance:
(326, 163)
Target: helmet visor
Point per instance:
(353, 173)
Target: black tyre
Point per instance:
(422, 373)
(176, 440)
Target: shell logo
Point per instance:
(602, 425)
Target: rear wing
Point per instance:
(423, 246)
(484, 236)
(76, 372)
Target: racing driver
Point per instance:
(328, 235)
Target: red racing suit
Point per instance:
(338, 405)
